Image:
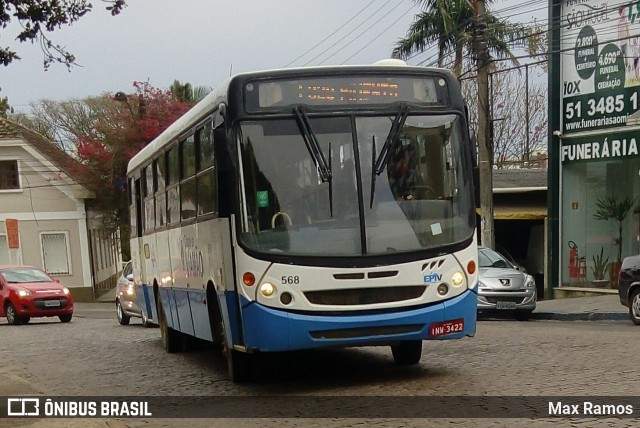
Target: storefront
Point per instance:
(594, 161)
(600, 190)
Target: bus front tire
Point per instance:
(170, 338)
(407, 353)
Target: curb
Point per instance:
(581, 316)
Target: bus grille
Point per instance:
(365, 296)
(350, 333)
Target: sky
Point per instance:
(204, 41)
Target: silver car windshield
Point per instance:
(421, 198)
(488, 258)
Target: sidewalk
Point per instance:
(598, 308)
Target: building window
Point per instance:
(9, 175)
(55, 253)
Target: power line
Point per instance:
(348, 34)
(334, 32)
(380, 34)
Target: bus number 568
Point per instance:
(290, 279)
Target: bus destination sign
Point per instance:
(344, 90)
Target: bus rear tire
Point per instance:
(170, 337)
(407, 353)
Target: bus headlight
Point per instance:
(457, 279)
(267, 289)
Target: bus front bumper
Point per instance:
(272, 330)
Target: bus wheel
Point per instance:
(170, 338)
(407, 353)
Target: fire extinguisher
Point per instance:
(573, 260)
(582, 267)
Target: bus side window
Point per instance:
(138, 207)
(161, 203)
(206, 146)
(207, 183)
(225, 176)
(173, 185)
(133, 218)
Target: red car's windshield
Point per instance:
(19, 276)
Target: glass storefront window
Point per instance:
(589, 188)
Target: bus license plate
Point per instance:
(505, 305)
(51, 303)
(446, 327)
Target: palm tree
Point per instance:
(451, 24)
(187, 93)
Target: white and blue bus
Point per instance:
(309, 208)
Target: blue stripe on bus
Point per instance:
(183, 311)
(268, 329)
(200, 314)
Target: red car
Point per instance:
(27, 291)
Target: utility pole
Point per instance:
(485, 163)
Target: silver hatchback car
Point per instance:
(126, 299)
(502, 287)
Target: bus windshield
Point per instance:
(418, 198)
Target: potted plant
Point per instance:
(610, 208)
(599, 269)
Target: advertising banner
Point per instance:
(600, 63)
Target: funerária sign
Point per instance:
(603, 147)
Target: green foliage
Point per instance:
(610, 208)
(185, 92)
(600, 265)
(452, 26)
(34, 18)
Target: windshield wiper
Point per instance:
(378, 165)
(310, 140)
(394, 134)
(312, 144)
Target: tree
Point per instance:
(456, 26)
(512, 111)
(104, 133)
(187, 93)
(4, 106)
(38, 17)
(106, 146)
(451, 26)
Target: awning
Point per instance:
(518, 213)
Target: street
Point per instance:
(95, 356)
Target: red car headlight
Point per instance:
(24, 293)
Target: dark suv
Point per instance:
(629, 286)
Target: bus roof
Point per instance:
(209, 103)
